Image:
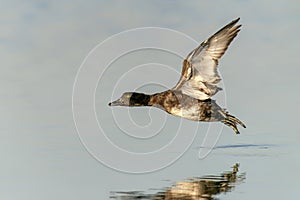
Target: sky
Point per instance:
(44, 43)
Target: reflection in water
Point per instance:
(203, 188)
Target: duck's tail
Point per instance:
(232, 121)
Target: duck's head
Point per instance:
(131, 99)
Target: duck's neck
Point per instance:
(139, 99)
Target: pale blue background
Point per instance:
(42, 45)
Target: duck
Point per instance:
(191, 98)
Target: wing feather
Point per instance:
(199, 77)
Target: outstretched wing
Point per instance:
(199, 77)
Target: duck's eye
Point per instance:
(128, 96)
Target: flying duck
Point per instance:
(191, 97)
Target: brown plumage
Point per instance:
(182, 105)
(191, 97)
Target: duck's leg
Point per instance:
(236, 120)
(231, 124)
(232, 121)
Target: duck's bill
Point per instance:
(115, 103)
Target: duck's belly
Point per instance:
(199, 112)
(191, 113)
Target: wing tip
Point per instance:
(233, 23)
(236, 20)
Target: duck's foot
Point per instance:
(232, 121)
